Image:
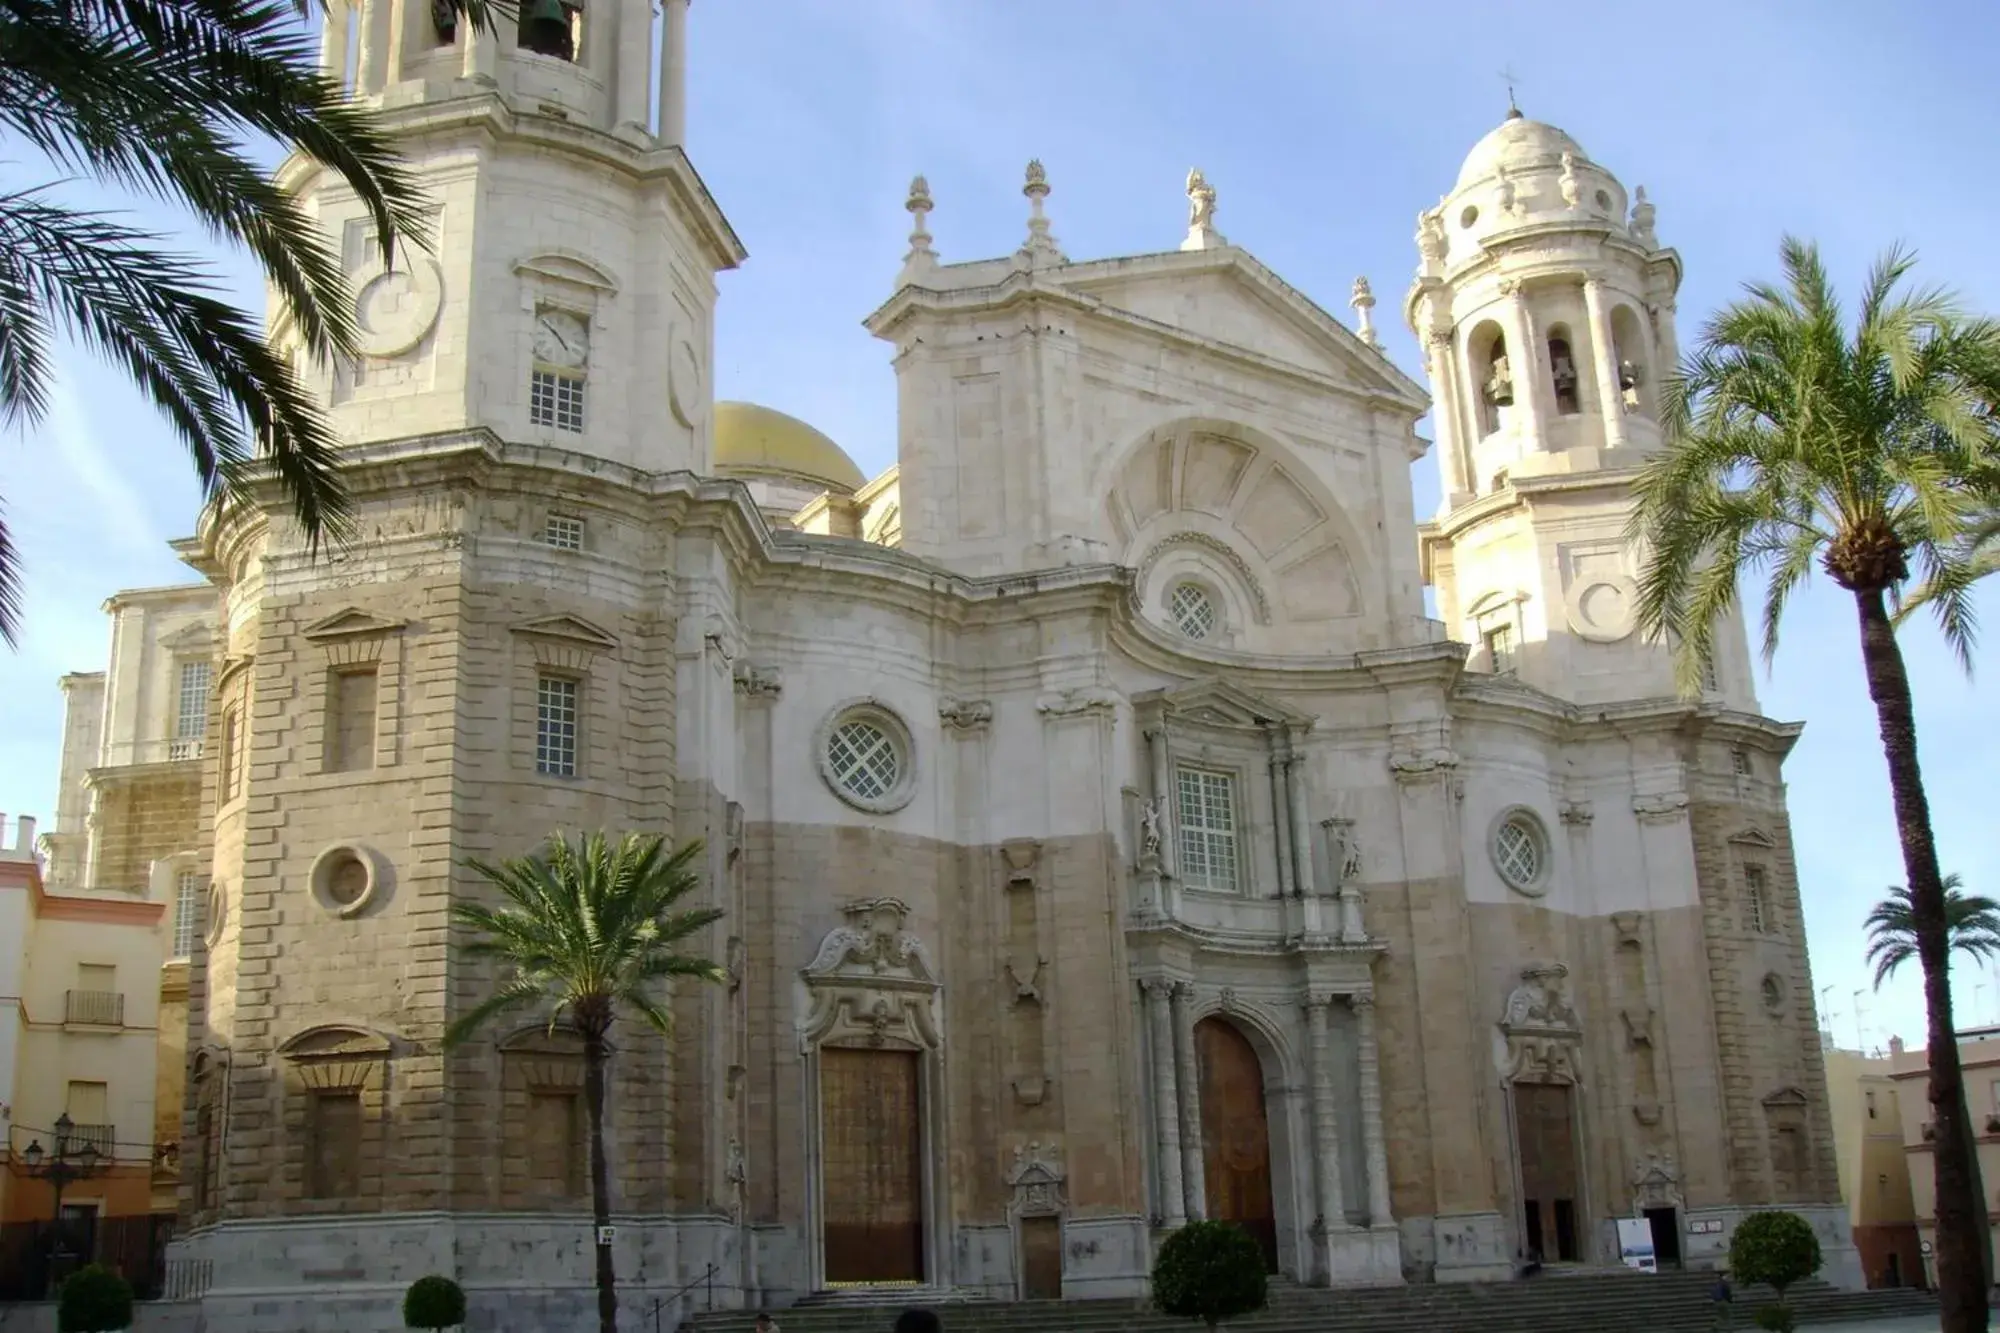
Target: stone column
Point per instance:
(333, 44)
(1524, 360)
(1325, 1116)
(1454, 452)
(1604, 359)
(1166, 1099)
(368, 68)
(482, 53)
(1281, 817)
(1163, 795)
(1303, 879)
(635, 65)
(1379, 1211)
(673, 74)
(1193, 1182)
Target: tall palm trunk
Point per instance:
(600, 1182)
(1962, 1244)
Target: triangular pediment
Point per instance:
(1786, 1097)
(1226, 296)
(1219, 703)
(568, 629)
(350, 622)
(1754, 837)
(197, 635)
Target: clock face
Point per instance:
(561, 339)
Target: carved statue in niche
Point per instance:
(872, 981)
(1149, 823)
(1541, 1028)
(1508, 197)
(1572, 190)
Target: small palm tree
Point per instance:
(588, 929)
(1971, 920)
(1794, 442)
(170, 98)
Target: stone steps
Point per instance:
(1666, 1303)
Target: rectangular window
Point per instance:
(1711, 682)
(563, 532)
(555, 1157)
(187, 913)
(1207, 810)
(191, 718)
(1756, 904)
(350, 723)
(1871, 1103)
(556, 400)
(230, 778)
(1500, 651)
(555, 726)
(88, 1103)
(1739, 762)
(335, 1132)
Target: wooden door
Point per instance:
(1545, 1130)
(1235, 1134)
(871, 1166)
(1041, 1259)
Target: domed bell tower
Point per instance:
(568, 296)
(1545, 305)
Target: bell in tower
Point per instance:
(548, 28)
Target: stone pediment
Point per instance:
(1790, 1096)
(569, 629)
(567, 266)
(1754, 837)
(1216, 702)
(1226, 296)
(350, 622)
(871, 982)
(200, 634)
(1541, 1030)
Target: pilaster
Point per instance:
(1172, 1198)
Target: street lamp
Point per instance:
(62, 1167)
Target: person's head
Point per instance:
(763, 1321)
(918, 1321)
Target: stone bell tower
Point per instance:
(569, 297)
(1545, 304)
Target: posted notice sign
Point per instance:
(1635, 1244)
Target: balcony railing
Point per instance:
(104, 1138)
(171, 750)
(94, 1008)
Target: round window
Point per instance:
(1604, 200)
(1519, 852)
(864, 755)
(1192, 611)
(346, 878)
(1469, 216)
(1774, 992)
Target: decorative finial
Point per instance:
(921, 258)
(1040, 248)
(1643, 213)
(1430, 237)
(1201, 234)
(1513, 108)
(1572, 189)
(1363, 301)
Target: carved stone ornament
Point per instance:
(965, 714)
(1037, 1180)
(871, 983)
(1541, 1028)
(1660, 808)
(758, 682)
(1656, 1184)
(1021, 856)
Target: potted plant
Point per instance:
(434, 1302)
(1209, 1271)
(1776, 1249)
(94, 1300)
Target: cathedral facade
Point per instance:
(1106, 835)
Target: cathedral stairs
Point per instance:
(1550, 1303)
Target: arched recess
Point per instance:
(1231, 507)
(544, 1119)
(1631, 355)
(1491, 371)
(873, 1055)
(336, 1116)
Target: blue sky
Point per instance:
(1325, 125)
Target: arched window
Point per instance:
(1488, 349)
(1562, 371)
(1628, 349)
(551, 28)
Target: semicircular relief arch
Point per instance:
(1232, 507)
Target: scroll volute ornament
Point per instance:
(872, 982)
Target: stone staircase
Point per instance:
(1549, 1303)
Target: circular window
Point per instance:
(1469, 216)
(345, 879)
(1192, 611)
(1520, 853)
(864, 755)
(1774, 992)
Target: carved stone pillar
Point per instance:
(1525, 363)
(1448, 421)
(1379, 1210)
(368, 65)
(1166, 1100)
(1189, 1077)
(1281, 818)
(333, 44)
(482, 53)
(1163, 796)
(1325, 1117)
(1303, 880)
(1604, 360)
(673, 74)
(635, 65)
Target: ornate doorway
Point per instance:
(1235, 1134)
(1548, 1170)
(871, 1126)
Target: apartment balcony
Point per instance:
(103, 1138)
(93, 1009)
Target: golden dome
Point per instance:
(757, 441)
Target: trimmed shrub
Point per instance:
(1774, 1249)
(433, 1302)
(94, 1300)
(1209, 1271)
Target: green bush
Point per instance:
(433, 1302)
(1775, 1249)
(1775, 1319)
(1209, 1271)
(94, 1300)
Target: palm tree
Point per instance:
(1971, 920)
(1793, 442)
(587, 930)
(1981, 553)
(166, 98)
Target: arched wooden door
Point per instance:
(1235, 1134)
